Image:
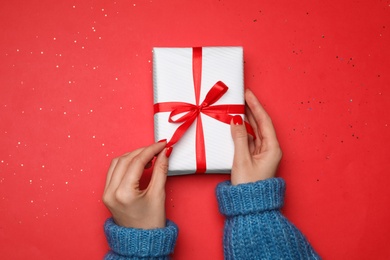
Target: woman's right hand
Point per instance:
(254, 159)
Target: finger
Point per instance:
(240, 140)
(160, 171)
(109, 173)
(117, 169)
(255, 145)
(149, 164)
(138, 163)
(252, 121)
(262, 119)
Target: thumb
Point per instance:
(160, 170)
(241, 146)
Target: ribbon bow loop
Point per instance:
(188, 109)
(215, 93)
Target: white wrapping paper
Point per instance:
(173, 81)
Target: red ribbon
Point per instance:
(190, 112)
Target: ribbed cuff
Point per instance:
(250, 198)
(134, 242)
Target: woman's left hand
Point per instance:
(130, 206)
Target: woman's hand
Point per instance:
(257, 159)
(130, 206)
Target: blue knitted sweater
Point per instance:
(254, 228)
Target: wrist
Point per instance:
(129, 241)
(250, 198)
(152, 222)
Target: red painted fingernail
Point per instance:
(237, 120)
(168, 151)
(162, 141)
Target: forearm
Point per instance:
(131, 243)
(255, 227)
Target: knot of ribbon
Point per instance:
(186, 113)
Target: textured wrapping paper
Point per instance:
(174, 81)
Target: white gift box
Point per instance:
(173, 80)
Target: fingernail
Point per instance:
(168, 151)
(237, 120)
(162, 141)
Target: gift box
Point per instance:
(196, 93)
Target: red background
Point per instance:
(76, 91)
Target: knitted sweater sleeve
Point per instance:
(254, 226)
(134, 244)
